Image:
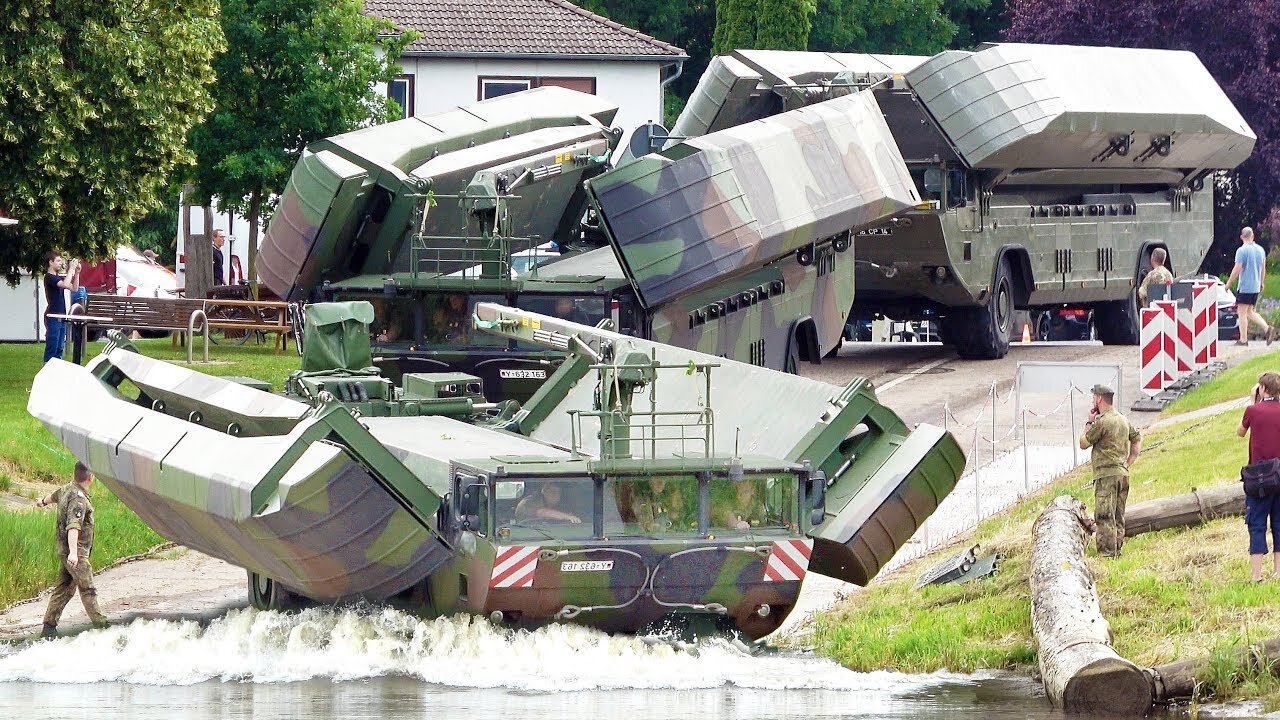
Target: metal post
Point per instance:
(977, 477)
(1075, 446)
(993, 422)
(191, 329)
(1026, 456)
(945, 408)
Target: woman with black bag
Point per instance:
(1261, 476)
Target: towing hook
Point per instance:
(568, 612)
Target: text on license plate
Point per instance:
(586, 566)
(522, 374)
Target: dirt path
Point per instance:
(182, 584)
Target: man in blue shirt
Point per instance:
(1251, 268)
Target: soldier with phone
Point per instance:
(1115, 445)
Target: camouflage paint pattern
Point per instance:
(728, 203)
(351, 204)
(326, 529)
(884, 484)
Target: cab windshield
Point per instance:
(582, 309)
(655, 506)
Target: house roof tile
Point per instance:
(515, 27)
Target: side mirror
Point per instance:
(817, 497)
(469, 503)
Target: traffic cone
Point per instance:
(1026, 332)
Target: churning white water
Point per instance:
(462, 651)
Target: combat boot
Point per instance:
(49, 631)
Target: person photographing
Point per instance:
(1115, 445)
(1261, 422)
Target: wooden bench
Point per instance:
(178, 316)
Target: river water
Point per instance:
(383, 664)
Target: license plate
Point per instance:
(522, 374)
(586, 566)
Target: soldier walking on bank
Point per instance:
(75, 542)
(1115, 446)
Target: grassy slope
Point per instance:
(32, 462)
(1234, 384)
(1176, 594)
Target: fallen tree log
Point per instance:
(1178, 681)
(1080, 670)
(1194, 508)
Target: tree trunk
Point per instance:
(251, 272)
(1080, 670)
(1177, 681)
(1194, 508)
(198, 253)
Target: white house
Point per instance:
(470, 50)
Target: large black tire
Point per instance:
(1117, 322)
(982, 333)
(267, 594)
(1120, 322)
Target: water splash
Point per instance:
(462, 651)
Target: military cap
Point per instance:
(1101, 389)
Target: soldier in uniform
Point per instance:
(1115, 446)
(75, 542)
(1159, 275)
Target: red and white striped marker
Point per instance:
(514, 567)
(1158, 354)
(788, 560)
(1184, 339)
(1204, 304)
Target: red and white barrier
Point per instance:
(1204, 305)
(1186, 335)
(1159, 355)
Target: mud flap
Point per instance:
(872, 512)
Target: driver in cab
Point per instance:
(546, 505)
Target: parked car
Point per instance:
(1065, 323)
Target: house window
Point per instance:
(400, 89)
(491, 87)
(495, 87)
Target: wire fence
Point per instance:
(1010, 453)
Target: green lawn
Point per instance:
(32, 462)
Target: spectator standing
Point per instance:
(219, 239)
(55, 329)
(1261, 422)
(1250, 269)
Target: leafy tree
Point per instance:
(763, 24)
(687, 24)
(294, 71)
(900, 27)
(1238, 41)
(96, 100)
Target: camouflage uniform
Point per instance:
(74, 512)
(1110, 435)
(1158, 276)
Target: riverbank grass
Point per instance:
(1174, 595)
(33, 462)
